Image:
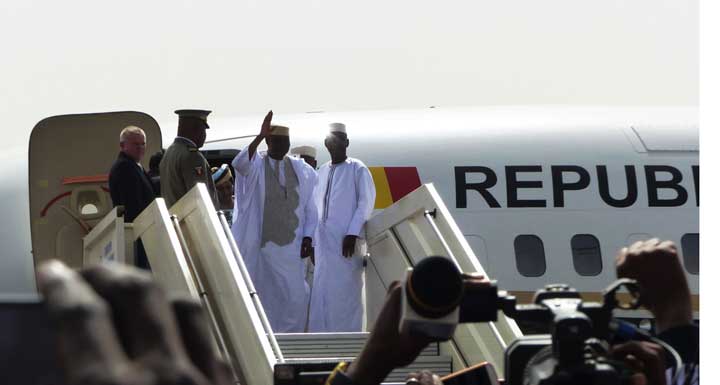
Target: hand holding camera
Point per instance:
(663, 286)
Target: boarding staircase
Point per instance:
(320, 352)
(192, 252)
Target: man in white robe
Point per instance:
(275, 224)
(307, 153)
(345, 197)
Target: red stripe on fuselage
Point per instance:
(402, 181)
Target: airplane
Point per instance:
(543, 194)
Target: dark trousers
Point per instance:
(141, 259)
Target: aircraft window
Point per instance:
(586, 254)
(529, 255)
(691, 252)
(89, 209)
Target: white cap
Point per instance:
(279, 130)
(337, 127)
(304, 150)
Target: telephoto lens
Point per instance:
(431, 294)
(435, 287)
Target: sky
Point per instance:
(245, 57)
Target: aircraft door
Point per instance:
(70, 158)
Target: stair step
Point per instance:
(330, 345)
(440, 365)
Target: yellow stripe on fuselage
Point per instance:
(383, 197)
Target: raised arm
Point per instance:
(663, 286)
(244, 159)
(264, 133)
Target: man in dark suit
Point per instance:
(130, 186)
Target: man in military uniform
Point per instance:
(183, 166)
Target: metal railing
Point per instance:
(203, 294)
(251, 288)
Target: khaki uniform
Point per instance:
(181, 168)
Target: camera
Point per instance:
(436, 299)
(577, 349)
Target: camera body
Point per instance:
(577, 350)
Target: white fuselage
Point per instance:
(503, 172)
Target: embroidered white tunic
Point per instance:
(345, 197)
(278, 272)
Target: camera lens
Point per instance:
(435, 287)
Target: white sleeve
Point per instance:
(242, 162)
(366, 200)
(318, 197)
(249, 170)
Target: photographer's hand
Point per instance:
(424, 377)
(663, 286)
(115, 326)
(386, 348)
(646, 358)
